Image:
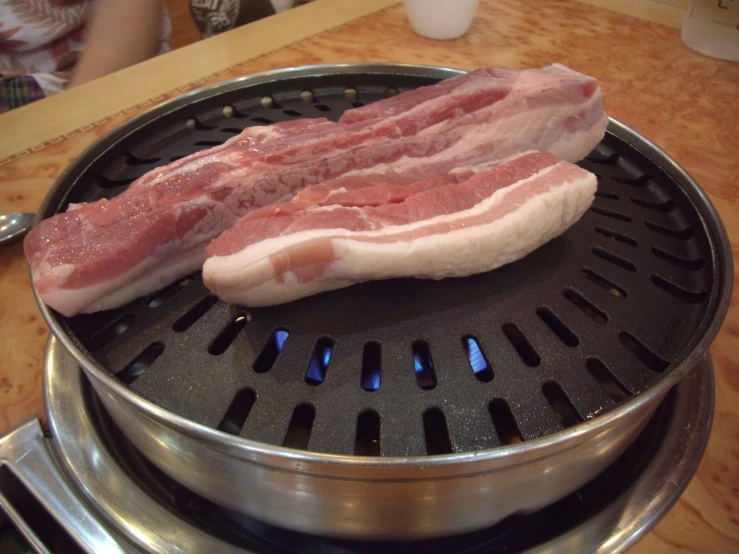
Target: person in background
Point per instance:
(216, 16)
(49, 45)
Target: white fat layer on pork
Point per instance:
(514, 135)
(248, 277)
(126, 287)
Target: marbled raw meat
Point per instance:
(464, 223)
(103, 254)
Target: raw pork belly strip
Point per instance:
(464, 223)
(103, 254)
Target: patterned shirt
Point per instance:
(40, 44)
(41, 39)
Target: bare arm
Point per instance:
(121, 33)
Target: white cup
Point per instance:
(711, 27)
(441, 19)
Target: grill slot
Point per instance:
(611, 214)
(528, 355)
(604, 283)
(615, 259)
(238, 411)
(643, 353)
(478, 361)
(133, 160)
(665, 207)
(319, 361)
(639, 181)
(641, 260)
(683, 263)
(194, 314)
(367, 442)
(620, 237)
(685, 233)
(228, 335)
(607, 195)
(603, 155)
(159, 298)
(679, 292)
(423, 365)
(140, 364)
(105, 183)
(587, 307)
(615, 235)
(558, 327)
(300, 428)
(436, 432)
(371, 377)
(208, 143)
(111, 332)
(504, 422)
(268, 356)
(563, 408)
(607, 381)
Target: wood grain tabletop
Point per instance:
(684, 102)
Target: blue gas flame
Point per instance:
(474, 354)
(280, 338)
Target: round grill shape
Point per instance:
(578, 336)
(411, 367)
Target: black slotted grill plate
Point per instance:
(630, 288)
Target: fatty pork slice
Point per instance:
(103, 254)
(470, 221)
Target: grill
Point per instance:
(410, 367)
(403, 409)
(129, 499)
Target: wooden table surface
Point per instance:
(684, 102)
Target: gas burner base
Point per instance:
(108, 497)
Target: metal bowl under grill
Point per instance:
(107, 496)
(404, 408)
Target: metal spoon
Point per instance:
(14, 226)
